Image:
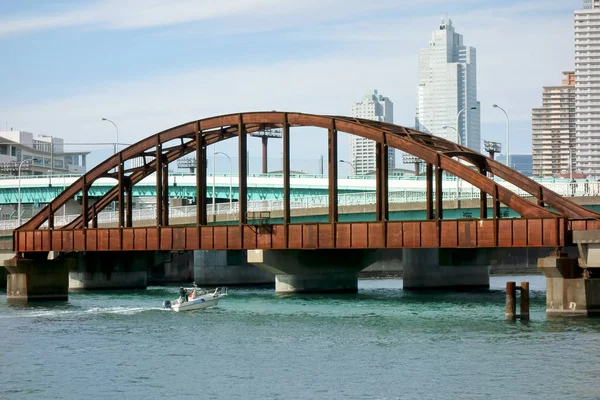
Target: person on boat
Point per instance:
(183, 294)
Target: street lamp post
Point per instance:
(351, 165)
(458, 142)
(19, 193)
(507, 134)
(116, 146)
(230, 178)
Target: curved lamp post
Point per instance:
(351, 165)
(507, 134)
(116, 147)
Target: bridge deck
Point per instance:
(361, 235)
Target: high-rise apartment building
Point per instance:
(587, 87)
(362, 151)
(447, 103)
(553, 133)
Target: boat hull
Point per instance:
(196, 304)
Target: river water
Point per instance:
(381, 343)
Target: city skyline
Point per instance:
(72, 64)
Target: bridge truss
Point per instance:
(539, 225)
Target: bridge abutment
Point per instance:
(37, 279)
(311, 271)
(445, 269)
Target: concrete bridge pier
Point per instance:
(111, 270)
(445, 269)
(311, 271)
(38, 277)
(227, 267)
(570, 289)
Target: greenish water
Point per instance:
(381, 343)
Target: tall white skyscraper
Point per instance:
(587, 87)
(447, 94)
(362, 151)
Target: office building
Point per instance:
(447, 104)
(362, 151)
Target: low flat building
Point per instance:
(46, 154)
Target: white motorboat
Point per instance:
(195, 299)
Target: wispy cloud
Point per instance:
(257, 15)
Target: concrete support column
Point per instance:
(444, 269)
(227, 267)
(111, 270)
(570, 289)
(312, 271)
(37, 279)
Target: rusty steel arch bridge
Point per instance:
(547, 221)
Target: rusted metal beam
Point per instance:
(482, 201)
(439, 208)
(84, 202)
(200, 177)
(243, 174)
(286, 172)
(94, 217)
(381, 184)
(165, 195)
(121, 188)
(159, 182)
(265, 144)
(429, 190)
(332, 164)
(129, 202)
(50, 217)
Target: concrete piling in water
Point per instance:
(511, 301)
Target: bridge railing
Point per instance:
(344, 200)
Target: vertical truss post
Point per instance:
(496, 213)
(200, 176)
(159, 192)
(482, 201)
(129, 202)
(496, 203)
(84, 202)
(429, 190)
(540, 201)
(165, 194)
(50, 216)
(121, 188)
(439, 210)
(332, 171)
(381, 177)
(243, 175)
(286, 172)
(94, 216)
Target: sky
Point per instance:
(149, 65)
